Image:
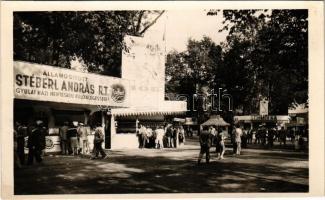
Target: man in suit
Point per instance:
(205, 144)
(36, 142)
(63, 138)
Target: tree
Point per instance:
(234, 75)
(96, 37)
(192, 73)
(286, 58)
(272, 47)
(196, 66)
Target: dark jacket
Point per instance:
(72, 132)
(205, 138)
(99, 136)
(36, 137)
(169, 132)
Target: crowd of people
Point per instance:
(75, 136)
(74, 140)
(266, 136)
(168, 136)
(36, 143)
(214, 136)
(241, 137)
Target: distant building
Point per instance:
(253, 121)
(299, 116)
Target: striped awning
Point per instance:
(162, 108)
(130, 112)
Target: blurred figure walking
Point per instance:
(205, 144)
(223, 136)
(181, 136)
(98, 141)
(238, 134)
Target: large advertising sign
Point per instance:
(47, 83)
(144, 62)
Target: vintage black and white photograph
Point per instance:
(161, 101)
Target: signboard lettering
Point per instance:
(46, 83)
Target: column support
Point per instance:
(113, 129)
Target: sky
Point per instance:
(182, 25)
(179, 26)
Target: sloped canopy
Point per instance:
(215, 120)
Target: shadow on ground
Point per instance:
(162, 173)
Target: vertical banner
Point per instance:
(264, 107)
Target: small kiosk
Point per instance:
(218, 121)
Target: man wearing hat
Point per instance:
(98, 141)
(63, 138)
(36, 142)
(73, 135)
(83, 135)
(205, 143)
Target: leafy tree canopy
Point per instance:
(54, 38)
(277, 53)
(265, 55)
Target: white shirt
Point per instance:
(238, 133)
(160, 133)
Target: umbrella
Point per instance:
(215, 120)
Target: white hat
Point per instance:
(75, 123)
(38, 122)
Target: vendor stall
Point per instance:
(218, 121)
